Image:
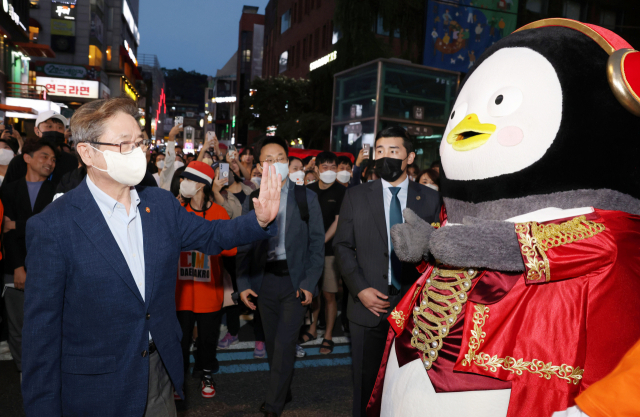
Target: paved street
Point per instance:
(321, 383)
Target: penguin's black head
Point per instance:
(537, 115)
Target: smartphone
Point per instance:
(10, 129)
(224, 171)
(303, 297)
(210, 135)
(179, 120)
(366, 150)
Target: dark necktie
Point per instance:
(395, 217)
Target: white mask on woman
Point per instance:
(344, 176)
(160, 164)
(297, 177)
(207, 161)
(6, 155)
(188, 188)
(126, 169)
(256, 181)
(435, 187)
(328, 177)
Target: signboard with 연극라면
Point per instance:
(67, 87)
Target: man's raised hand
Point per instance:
(268, 201)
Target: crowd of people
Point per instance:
(332, 248)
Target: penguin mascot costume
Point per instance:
(530, 290)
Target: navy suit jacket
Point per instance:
(86, 325)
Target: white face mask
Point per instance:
(435, 187)
(412, 178)
(311, 182)
(126, 169)
(344, 176)
(297, 177)
(207, 161)
(282, 169)
(160, 164)
(188, 188)
(6, 155)
(328, 177)
(256, 181)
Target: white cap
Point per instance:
(50, 114)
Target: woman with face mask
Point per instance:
(8, 149)
(199, 285)
(430, 178)
(166, 166)
(230, 193)
(256, 177)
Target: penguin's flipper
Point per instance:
(478, 243)
(411, 238)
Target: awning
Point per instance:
(18, 109)
(36, 49)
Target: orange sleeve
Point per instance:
(219, 213)
(618, 393)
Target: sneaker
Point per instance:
(176, 397)
(208, 387)
(260, 352)
(4, 347)
(300, 353)
(227, 341)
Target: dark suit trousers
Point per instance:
(367, 349)
(282, 315)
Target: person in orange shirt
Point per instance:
(199, 289)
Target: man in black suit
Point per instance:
(23, 199)
(376, 278)
(282, 272)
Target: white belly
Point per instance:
(408, 392)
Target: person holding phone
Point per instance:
(166, 165)
(282, 272)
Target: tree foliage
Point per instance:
(288, 104)
(188, 85)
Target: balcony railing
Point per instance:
(33, 91)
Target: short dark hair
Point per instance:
(295, 158)
(326, 156)
(436, 164)
(432, 174)
(397, 132)
(345, 160)
(32, 146)
(268, 140)
(247, 151)
(12, 143)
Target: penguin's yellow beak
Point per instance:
(470, 133)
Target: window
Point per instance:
(284, 60)
(246, 55)
(108, 53)
(317, 41)
(311, 46)
(304, 48)
(324, 36)
(285, 21)
(293, 56)
(380, 28)
(300, 7)
(294, 13)
(33, 34)
(337, 35)
(95, 56)
(608, 19)
(298, 55)
(571, 10)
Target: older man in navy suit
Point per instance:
(100, 334)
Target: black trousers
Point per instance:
(367, 350)
(208, 334)
(282, 315)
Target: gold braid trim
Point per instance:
(399, 317)
(515, 366)
(536, 239)
(437, 313)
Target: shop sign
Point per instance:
(63, 27)
(63, 11)
(67, 87)
(130, 52)
(64, 71)
(8, 8)
(128, 17)
(323, 61)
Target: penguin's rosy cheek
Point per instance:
(510, 136)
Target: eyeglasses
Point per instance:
(126, 147)
(281, 159)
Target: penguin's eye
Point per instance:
(458, 113)
(504, 101)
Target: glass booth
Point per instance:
(390, 92)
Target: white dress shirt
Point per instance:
(402, 196)
(277, 251)
(126, 230)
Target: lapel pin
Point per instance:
(417, 198)
(148, 210)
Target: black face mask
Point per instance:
(389, 169)
(53, 137)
